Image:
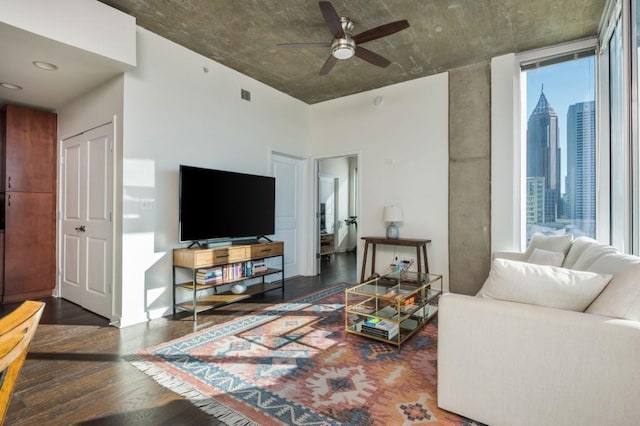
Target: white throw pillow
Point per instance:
(546, 257)
(542, 285)
(558, 243)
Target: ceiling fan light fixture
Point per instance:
(343, 48)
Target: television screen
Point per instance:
(222, 204)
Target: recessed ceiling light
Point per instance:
(11, 86)
(45, 65)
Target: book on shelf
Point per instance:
(259, 267)
(385, 334)
(233, 271)
(380, 324)
(209, 276)
(382, 335)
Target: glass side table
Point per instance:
(393, 307)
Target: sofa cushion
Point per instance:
(542, 285)
(578, 246)
(612, 263)
(621, 298)
(546, 257)
(557, 243)
(590, 255)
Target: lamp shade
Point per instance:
(392, 214)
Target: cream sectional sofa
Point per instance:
(522, 362)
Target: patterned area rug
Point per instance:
(293, 364)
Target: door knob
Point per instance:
(81, 228)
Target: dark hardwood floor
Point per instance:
(75, 374)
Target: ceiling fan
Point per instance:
(345, 45)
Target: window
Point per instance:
(524, 202)
(560, 145)
(619, 77)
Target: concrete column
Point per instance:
(469, 177)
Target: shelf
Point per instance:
(401, 300)
(259, 275)
(198, 259)
(198, 287)
(211, 301)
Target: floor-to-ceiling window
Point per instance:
(560, 144)
(617, 136)
(534, 203)
(619, 41)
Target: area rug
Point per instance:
(293, 364)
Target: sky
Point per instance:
(564, 84)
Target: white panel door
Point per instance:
(87, 232)
(288, 173)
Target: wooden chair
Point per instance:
(16, 332)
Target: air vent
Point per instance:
(245, 94)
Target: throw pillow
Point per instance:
(543, 285)
(557, 243)
(546, 257)
(590, 255)
(578, 246)
(621, 298)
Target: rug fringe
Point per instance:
(203, 401)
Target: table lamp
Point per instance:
(392, 214)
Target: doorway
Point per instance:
(86, 227)
(337, 215)
(289, 174)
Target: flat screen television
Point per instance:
(218, 204)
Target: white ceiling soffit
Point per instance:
(78, 71)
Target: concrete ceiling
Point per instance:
(444, 34)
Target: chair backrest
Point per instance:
(16, 332)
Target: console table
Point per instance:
(232, 264)
(420, 245)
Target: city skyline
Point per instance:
(557, 201)
(564, 84)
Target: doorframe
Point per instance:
(57, 292)
(314, 226)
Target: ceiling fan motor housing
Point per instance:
(345, 47)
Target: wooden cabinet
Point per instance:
(233, 263)
(27, 170)
(29, 150)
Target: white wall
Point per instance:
(182, 108)
(402, 146)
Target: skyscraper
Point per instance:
(543, 156)
(581, 163)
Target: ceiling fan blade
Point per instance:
(328, 65)
(303, 44)
(372, 58)
(331, 18)
(381, 31)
